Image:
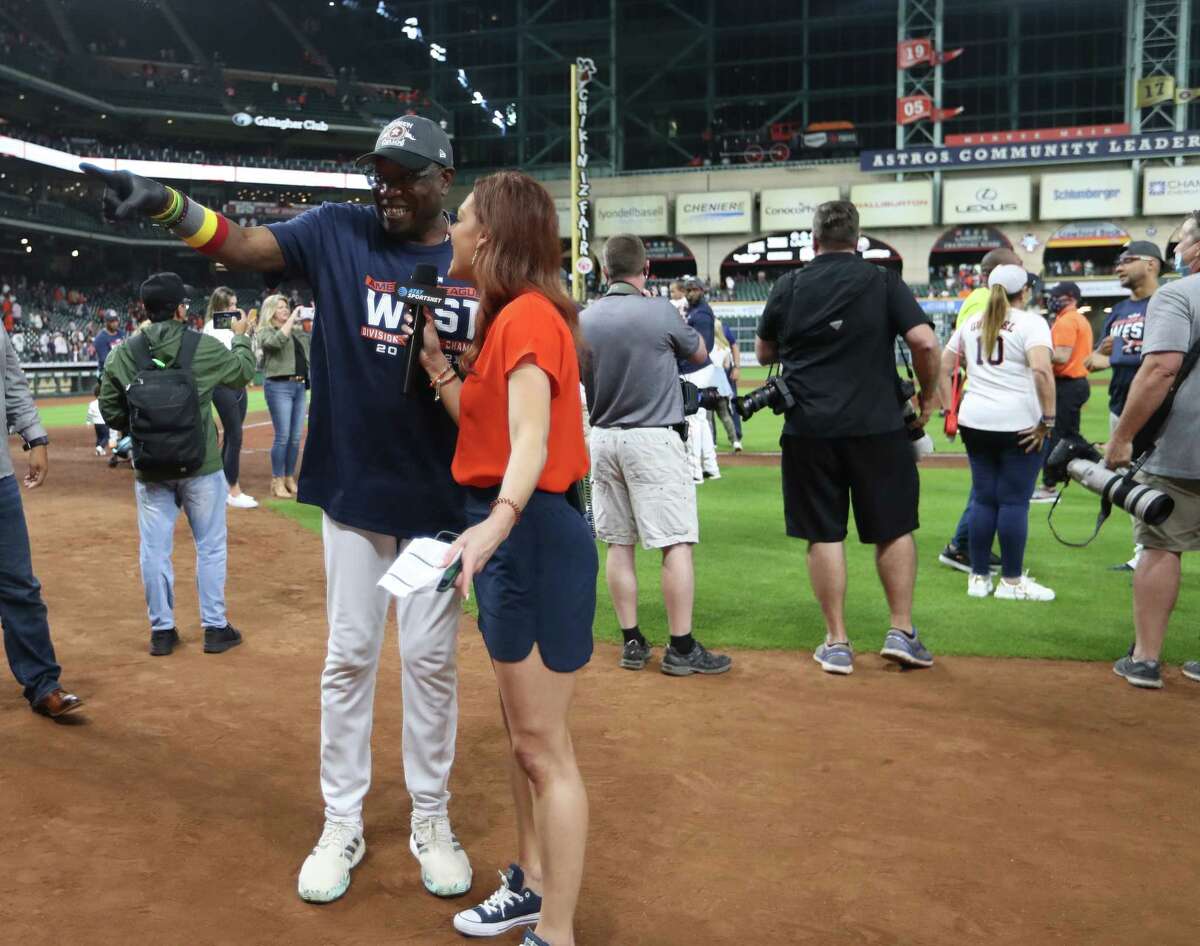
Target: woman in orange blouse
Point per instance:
(529, 551)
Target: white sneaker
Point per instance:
(241, 501)
(99, 450)
(737, 446)
(1043, 495)
(325, 874)
(979, 586)
(445, 869)
(1024, 590)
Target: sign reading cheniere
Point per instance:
(1048, 152)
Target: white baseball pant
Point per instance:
(357, 607)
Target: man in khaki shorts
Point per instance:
(1172, 328)
(641, 483)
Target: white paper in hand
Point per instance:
(417, 568)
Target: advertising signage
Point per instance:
(1121, 147)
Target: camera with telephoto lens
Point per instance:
(695, 398)
(1074, 458)
(774, 394)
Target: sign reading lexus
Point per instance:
(1170, 191)
(986, 199)
(245, 120)
(1087, 195)
(717, 212)
(643, 216)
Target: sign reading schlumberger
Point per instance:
(1159, 145)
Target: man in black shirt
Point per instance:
(833, 327)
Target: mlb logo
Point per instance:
(1158, 188)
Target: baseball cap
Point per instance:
(412, 141)
(694, 282)
(163, 291)
(1142, 248)
(110, 315)
(1012, 277)
(1065, 289)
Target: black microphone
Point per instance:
(422, 290)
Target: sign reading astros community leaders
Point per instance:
(716, 212)
(1159, 145)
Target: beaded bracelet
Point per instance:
(504, 501)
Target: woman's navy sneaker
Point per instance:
(512, 905)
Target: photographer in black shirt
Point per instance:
(833, 327)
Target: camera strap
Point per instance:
(1102, 516)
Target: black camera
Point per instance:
(1074, 458)
(695, 398)
(774, 394)
(223, 319)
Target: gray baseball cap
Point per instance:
(413, 142)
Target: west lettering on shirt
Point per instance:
(384, 305)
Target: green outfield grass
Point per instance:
(760, 434)
(68, 415)
(752, 588)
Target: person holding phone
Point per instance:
(229, 402)
(285, 345)
(529, 550)
(1006, 416)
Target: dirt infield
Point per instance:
(997, 802)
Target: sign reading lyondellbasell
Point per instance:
(1087, 195)
(716, 212)
(986, 199)
(1170, 191)
(1120, 147)
(907, 204)
(643, 216)
(792, 208)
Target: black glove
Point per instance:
(126, 193)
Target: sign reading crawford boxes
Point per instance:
(792, 208)
(1087, 196)
(907, 204)
(986, 199)
(1170, 191)
(717, 212)
(643, 216)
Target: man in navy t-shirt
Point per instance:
(107, 338)
(377, 462)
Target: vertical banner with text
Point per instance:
(581, 188)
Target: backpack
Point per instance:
(164, 411)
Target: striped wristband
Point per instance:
(200, 228)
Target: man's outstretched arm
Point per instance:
(128, 195)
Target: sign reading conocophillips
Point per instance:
(718, 212)
(643, 216)
(1160, 145)
(907, 204)
(792, 208)
(1170, 191)
(986, 199)
(1087, 196)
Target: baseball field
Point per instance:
(1016, 793)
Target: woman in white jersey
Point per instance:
(1006, 414)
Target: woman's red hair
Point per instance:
(522, 252)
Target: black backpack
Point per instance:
(164, 411)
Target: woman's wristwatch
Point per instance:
(1048, 421)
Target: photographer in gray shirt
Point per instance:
(1172, 328)
(641, 483)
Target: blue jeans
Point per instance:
(961, 536)
(285, 401)
(158, 504)
(26, 630)
(1002, 476)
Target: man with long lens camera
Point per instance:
(833, 326)
(641, 483)
(1172, 329)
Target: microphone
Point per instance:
(421, 291)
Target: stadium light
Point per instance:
(24, 240)
(75, 253)
(28, 249)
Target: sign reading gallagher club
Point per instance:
(1160, 145)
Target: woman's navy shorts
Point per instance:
(540, 585)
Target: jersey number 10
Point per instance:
(999, 352)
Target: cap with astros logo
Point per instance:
(412, 141)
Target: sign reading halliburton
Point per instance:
(1160, 145)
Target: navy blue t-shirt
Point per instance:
(700, 318)
(375, 459)
(104, 342)
(1127, 325)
